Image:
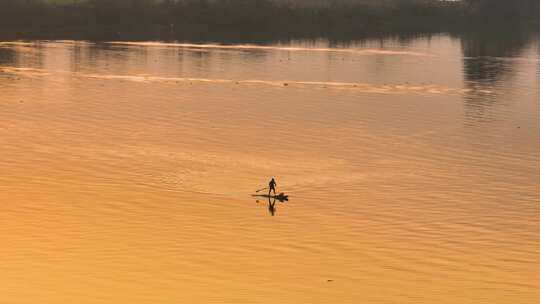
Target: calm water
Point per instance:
(413, 167)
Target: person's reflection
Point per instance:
(272, 200)
(272, 206)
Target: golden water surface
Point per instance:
(413, 169)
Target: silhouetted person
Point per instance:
(272, 186)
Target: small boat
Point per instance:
(280, 197)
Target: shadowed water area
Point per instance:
(129, 169)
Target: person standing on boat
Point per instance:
(272, 186)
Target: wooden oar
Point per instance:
(261, 189)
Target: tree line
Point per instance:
(497, 9)
(249, 19)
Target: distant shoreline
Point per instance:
(157, 34)
(196, 36)
(243, 20)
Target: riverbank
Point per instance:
(239, 20)
(223, 20)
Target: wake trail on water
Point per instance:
(274, 48)
(351, 86)
(240, 47)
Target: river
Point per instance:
(412, 166)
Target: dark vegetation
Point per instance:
(252, 19)
(502, 11)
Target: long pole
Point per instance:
(261, 189)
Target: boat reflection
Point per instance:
(272, 199)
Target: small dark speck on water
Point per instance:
(329, 280)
